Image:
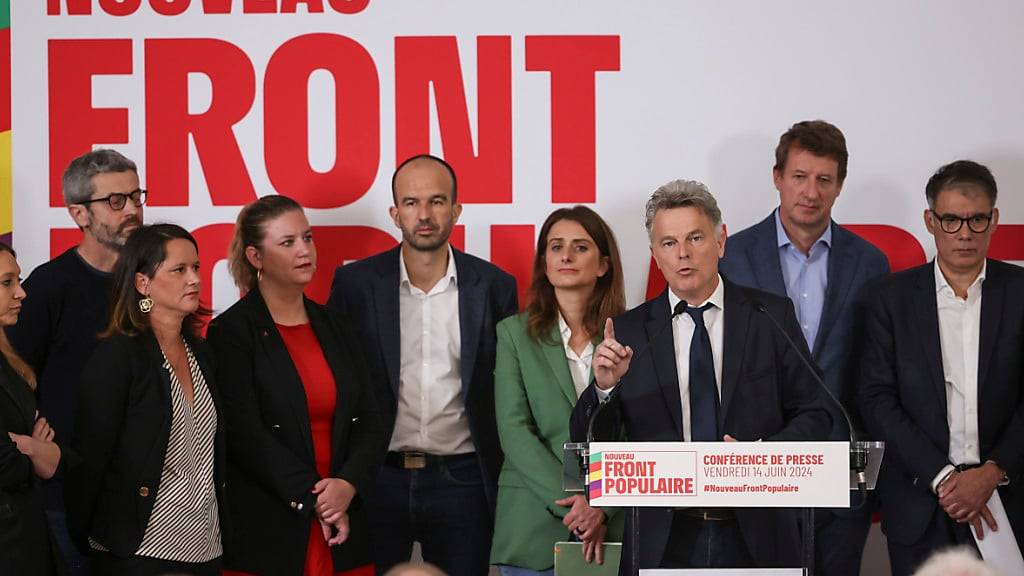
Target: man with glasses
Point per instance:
(68, 302)
(942, 379)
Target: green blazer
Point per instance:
(533, 397)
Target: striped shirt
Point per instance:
(185, 525)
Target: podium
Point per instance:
(802, 475)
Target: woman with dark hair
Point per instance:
(146, 497)
(304, 434)
(27, 451)
(543, 365)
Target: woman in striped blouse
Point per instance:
(145, 497)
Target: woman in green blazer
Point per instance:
(543, 364)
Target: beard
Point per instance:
(431, 243)
(112, 237)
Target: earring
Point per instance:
(146, 304)
(259, 275)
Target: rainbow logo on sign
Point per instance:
(594, 476)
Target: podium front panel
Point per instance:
(719, 474)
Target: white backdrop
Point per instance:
(702, 91)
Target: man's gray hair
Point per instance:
(77, 183)
(961, 561)
(680, 194)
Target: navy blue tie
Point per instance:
(703, 391)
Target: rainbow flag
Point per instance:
(594, 476)
(6, 209)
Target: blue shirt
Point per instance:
(806, 278)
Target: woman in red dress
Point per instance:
(304, 434)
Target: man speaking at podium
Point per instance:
(703, 362)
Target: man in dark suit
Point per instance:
(427, 314)
(800, 252)
(943, 378)
(722, 371)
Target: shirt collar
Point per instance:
(783, 239)
(563, 329)
(450, 276)
(940, 278)
(717, 297)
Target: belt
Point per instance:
(709, 514)
(422, 460)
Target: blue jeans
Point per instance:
(444, 508)
(506, 570)
(696, 543)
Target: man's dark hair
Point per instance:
(451, 172)
(961, 174)
(817, 137)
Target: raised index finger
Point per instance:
(609, 329)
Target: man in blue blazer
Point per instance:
(427, 316)
(943, 379)
(710, 365)
(800, 252)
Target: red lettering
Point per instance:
(349, 6)
(74, 124)
(573, 62)
(120, 7)
(655, 280)
(485, 176)
(512, 250)
(63, 238)
(169, 7)
(616, 468)
(898, 245)
(217, 6)
(1007, 242)
(312, 6)
(677, 486)
(259, 6)
(75, 7)
(169, 123)
(5, 81)
(357, 120)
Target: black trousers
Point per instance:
(110, 565)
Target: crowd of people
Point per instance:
(420, 405)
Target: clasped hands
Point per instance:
(333, 496)
(587, 523)
(39, 447)
(964, 496)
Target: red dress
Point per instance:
(321, 399)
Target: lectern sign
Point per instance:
(730, 474)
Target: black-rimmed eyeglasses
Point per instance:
(951, 223)
(117, 200)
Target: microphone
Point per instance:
(679, 309)
(858, 456)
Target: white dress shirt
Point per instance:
(960, 339)
(579, 364)
(431, 414)
(682, 335)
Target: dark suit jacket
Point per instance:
(122, 428)
(368, 291)
(271, 462)
(752, 259)
(766, 394)
(24, 536)
(903, 392)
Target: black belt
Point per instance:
(709, 514)
(422, 460)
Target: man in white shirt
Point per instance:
(713, 367)
(427, 314)
(943, 379)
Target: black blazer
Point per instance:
(122, 427)
(24, 536)
(368, 291)
(766, 394)
(271, 463)
(903, 393)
